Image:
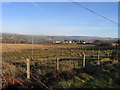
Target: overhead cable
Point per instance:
(93, 12)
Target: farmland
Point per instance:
(43, 64)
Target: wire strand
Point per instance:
(93, 12)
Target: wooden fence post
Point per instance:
(83, 60)
(74, 65)
(28, 68)
(98, 56)
(57, 64)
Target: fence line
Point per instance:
(57, 62)
(45, 66)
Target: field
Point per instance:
(54, 65)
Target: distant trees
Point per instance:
(103, 43)
(97, 42)
(13, 41)
(118, 42)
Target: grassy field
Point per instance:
(70, 56)
(23, 51)
(43, 62)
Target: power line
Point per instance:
(93, 12)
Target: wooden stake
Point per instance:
(28, 68)
(74, 65)
(98, 56)
(57, 64)
(83, 60)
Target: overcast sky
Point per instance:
(60, 18)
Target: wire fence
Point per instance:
(41, 67)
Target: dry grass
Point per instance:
(11, 69)
(70, 56)
(19, 47)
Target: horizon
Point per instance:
(56, 35)
(60, 18)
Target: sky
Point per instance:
(60, 18)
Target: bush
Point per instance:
(105, 43)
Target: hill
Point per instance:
(83, 37)
(43, 39)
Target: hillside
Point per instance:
(20, 38)
(84, 37)
(43, 39)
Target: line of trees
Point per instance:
(103, 42)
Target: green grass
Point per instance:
(108, 77)
(73, 83)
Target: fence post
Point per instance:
(83, 60)
(28, 68)
(57, 64)
(98, 56)
(74, 65)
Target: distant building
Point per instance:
(84, 42)
(65, 41)
(57, 42)
(72, 41)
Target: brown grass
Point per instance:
(19, 47)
